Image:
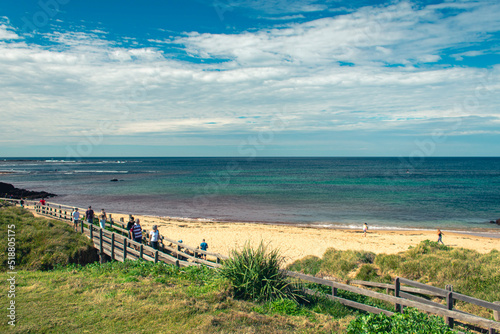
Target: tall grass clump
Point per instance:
(256, 274)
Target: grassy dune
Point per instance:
(469, 272)
(142, 297)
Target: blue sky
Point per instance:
(249, 78)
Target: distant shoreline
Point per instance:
(492, 231)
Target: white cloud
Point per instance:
(6, 33)
(64, 92)
(396, 34)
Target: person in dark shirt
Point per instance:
(89, 215)
(130, 224)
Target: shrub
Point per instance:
(309, 265)
(255, 274)
(387, 263)
(341, 263)
(367, 272)
(410, 321)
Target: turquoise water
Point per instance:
(457, 193)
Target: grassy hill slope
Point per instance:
(42, 244)
(142, 297)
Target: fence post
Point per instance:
(156, 256)
(91, 232)
(100, 242)
(449, 305)
(141, 252)
(496, 314)
(397, 287)
(334, 291)
(112, 246)
(81, 225)
(124, 249)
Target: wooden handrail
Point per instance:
(456, 295)
(401, 301)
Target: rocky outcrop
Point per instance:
(9, 191)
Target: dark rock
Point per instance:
(9, 191)
(492, 222)
(498, 221)
(114, 180)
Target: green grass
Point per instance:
(40, 243)
(142, 297)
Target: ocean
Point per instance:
(387, 193)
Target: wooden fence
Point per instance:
(117, 246)
(402, 298)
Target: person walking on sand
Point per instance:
(365, 228)
(204, 247)
(76, 218)
(154, 237)
(102, 219)
(440, 236)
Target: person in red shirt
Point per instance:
(42, 201)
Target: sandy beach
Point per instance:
(296, 242)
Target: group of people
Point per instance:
(89, 217)
(134, 229)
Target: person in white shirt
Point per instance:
(154, 237)
(76, 218)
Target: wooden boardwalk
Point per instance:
(113, 243)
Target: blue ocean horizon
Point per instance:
(386, 192)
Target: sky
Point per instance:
(248, 78)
